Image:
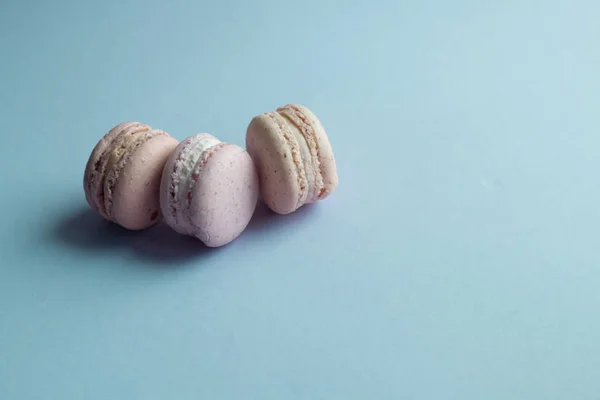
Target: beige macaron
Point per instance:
(293, 156)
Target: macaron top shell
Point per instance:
(293, 156)
(209, 190)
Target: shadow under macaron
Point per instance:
(161, 245)
(87, 232)
(265, 220)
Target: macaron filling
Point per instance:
(185, 164)
(118, 163)
(174, 183)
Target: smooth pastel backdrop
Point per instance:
(458, 258)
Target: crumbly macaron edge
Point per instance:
(98, 179)
(189, 190)
(293, 146)
(113, 175)
(178, 184)
(307, 131)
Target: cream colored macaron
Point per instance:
(292, 153)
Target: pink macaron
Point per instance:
(209, 189)
(122, 176)
(293, 156)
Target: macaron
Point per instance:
(293, 156)
(122, 176)
(209, 190)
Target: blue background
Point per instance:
(457, 259)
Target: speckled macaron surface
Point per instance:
(122, 176)
(293, 156)
(209, 190)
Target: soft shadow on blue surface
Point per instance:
(457, 260)
(86, 231)
(266, 221)
(160, 245)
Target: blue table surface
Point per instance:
(457, 259)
